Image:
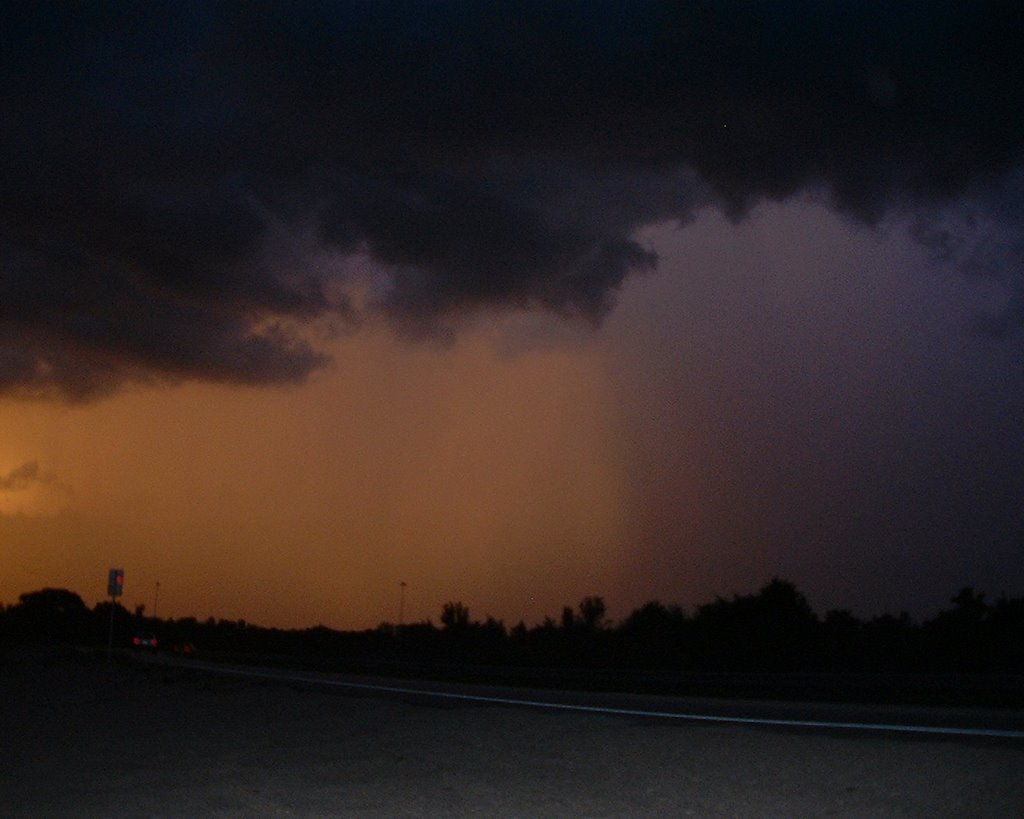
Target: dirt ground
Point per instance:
(84, 737)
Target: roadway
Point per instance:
(937, 721)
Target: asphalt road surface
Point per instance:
(820, 716)
(83, 737)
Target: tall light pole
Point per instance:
(401, 603)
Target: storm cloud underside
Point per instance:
(174, 177)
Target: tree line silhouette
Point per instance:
(773, 630)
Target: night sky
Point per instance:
(512, 302)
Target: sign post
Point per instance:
(115, 585)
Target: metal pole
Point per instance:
(110, 632)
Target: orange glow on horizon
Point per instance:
(455, 470)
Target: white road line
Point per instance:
(627, 712)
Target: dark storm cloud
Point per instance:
(158, 159)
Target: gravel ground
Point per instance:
(84, 737)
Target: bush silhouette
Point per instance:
(50, 616)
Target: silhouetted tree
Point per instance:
(958, 638)
(455, 616)
(775, 629)
(970, 605)
(841, 638)
(1005, 627)
(653, 636)
(592, 612)
(890, 643)
(51, 616)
